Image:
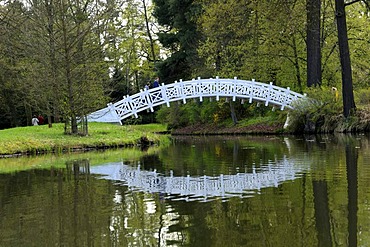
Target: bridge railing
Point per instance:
(200, 88)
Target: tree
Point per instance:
(131, 49)
(345, 61)
(149, 32)
(180, 36)
(241, 39)
(228, 32)
(41, 46)
(17, 94)
(313, 43)
(40, 35)
(358, 37)
(81, 59)
(57, 56)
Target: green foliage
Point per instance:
(193, 112)
(17, 92)
(242, 40)
(173, 116)
(60, 57)
(63, 60)
(362, 98)
(209, 112)
(215, 112)
(358, 37)
(317, 112)
(180, 36)
(131, 49)
(267, 118)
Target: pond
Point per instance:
(198, 191)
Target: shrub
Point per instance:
(362, 97)
(320, 111)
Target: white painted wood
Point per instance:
(200, 88)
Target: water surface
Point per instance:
(199, 191)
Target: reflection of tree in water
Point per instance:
(351, 162)
(151, 162)
(323, 215)
(327, 211)
(79, 210)
(61, 206)
(78, 167)
(210, 155)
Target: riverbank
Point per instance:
(299, 123)
(258, 126)
(41, 139)
(211, 129)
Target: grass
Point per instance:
(41, 139)
(266, 120)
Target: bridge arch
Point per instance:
(217, 87)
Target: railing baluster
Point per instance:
(234, 88)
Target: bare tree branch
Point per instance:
(354, 1)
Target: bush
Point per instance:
(320, 111)
(173, 116)
(362, 97)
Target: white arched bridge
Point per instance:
(200, 88)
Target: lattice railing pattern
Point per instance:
(200, 88)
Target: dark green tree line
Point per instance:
(292, 43)
(15, 102)
(67, 59)
(58, 57)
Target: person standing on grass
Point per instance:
(35, 121)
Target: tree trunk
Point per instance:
(233, 114)
(345, 61)
(296, 64)
(148, 32)
(69, 83)
(313, 43)
(52, 95)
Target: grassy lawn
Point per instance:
(34, 139)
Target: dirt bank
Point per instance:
(208, 129)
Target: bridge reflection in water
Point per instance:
(200, 188)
